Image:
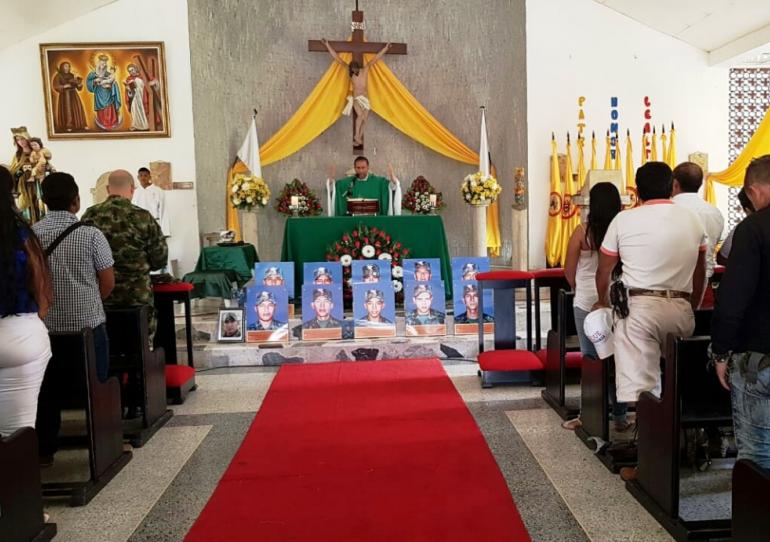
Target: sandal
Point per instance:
(572, 424)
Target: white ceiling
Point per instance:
(726, 29)
(23, 20)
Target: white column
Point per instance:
(249, 227)
(479, 230)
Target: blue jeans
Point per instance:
(751, 414)
(102, 348)
(619, 410)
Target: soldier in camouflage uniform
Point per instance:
(137, 244)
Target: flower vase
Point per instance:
(249, 226)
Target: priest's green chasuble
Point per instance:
(373, 187)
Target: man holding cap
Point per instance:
(272, 277)
(264, 306)
(374, 302)
(422, 272)
(322, 307)
(322, 275)
(663, 274)
(471, 301)
(371, 273)
(423, 314)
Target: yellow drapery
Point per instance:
(390, 100)
(758, 145)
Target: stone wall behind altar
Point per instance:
(248, 54)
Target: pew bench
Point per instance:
(71, 382)
(21, 500)
(145, 387)
(691, 397)
(751, 502)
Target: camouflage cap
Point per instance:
(374, 294)
(372, 270)
(470, 289)
(322, 292)
(422, 289)
(422, 263)
(271, 272)
(322, 271)
(263, 297)
(230, 318)
(469, 267)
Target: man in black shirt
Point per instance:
(740, 341)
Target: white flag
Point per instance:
(249, 153)
(484, 146)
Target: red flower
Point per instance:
(345, 238)
(358, 244)
(387, 239)
(366, 240)
(377, 244)
(377, 252)
(355, 233)
(395, 255)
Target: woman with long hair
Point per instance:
(25, 294)
(580, 272)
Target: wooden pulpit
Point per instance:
(363, 207)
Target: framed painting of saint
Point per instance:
(105, 90)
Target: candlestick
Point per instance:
(295, 201)
(433, 200)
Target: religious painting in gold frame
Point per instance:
(105, 90)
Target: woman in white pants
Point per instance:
(25, 293)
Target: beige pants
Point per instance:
(641, 338)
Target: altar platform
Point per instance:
(208, 353)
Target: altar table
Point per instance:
(306, 239)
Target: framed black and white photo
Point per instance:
(230, 328)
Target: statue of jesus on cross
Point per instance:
(359, 101)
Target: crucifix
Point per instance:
(358, 47)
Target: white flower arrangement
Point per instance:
(397, 271)
(397, 286)
(480, 189)
(346, 260)
(368, 251)
(385, 256)
(248, 192)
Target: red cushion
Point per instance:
(553, 272)
(178, 375)
(509, 360)
(574, 359)
(173, 287)
(505, 275)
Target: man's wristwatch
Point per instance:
(718, 358)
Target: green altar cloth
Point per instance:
(238, 258)
(305, 239)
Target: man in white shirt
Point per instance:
(688, 178)
(153, 199)
(662, 249)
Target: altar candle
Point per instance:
(295, 201)
(433, 200)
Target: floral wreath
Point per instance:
(307, 201)
(366, 243)
(417, 198)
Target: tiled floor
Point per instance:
(562, 492)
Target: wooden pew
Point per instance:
(554, 280)
(130, 354)
(561, 355)
(751, 502)
(21, 501)
(691, 397)
(71, 381)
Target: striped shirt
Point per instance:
(74, 266)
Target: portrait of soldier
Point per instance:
(422, 271)
(374, 303)
(322, 275)
(371, 273)
(423, 314)
(272, 277)
(231, 326)
(322, 306)
(471, 301)
(469, 271)
(264, 307)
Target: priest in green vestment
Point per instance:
(364, 185)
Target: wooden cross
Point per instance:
(358, 47)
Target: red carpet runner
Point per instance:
(362, 451)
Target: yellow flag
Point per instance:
(607, 152)
(569, 211)
(594, 158)
(618, 157)
(644, 149)
(553, 232)
(664, 147)
(654, 147)
(671, 157)
(630, 172)
(581, 169)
